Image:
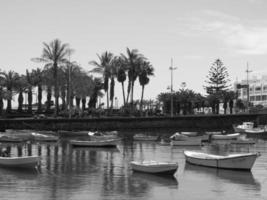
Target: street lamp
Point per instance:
(172, 68)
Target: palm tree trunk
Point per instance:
(39, 109)
(29, 100)
(107, 99)
(9, 104)
(112, 85)
(83, 104)
(56, 90)
(63, 97)
(123, 92)
(128, 91)
(142, 96)
(132, 92)
(78, 100)
(20, 101)
(48, 98)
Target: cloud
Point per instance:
(243, 37)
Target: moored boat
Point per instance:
(143, 137)
(226, 136)
(11, 139)
(178, 139)
(190, 134)
(20, 162)
(240, 161)
(43, 137)
(241, 128)
(154, 167)
(95, 143)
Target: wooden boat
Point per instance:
(95, 143)
(243, 127)
(20, 162)
(241, 161)
(143, 137)
(154, 167)
(43, 137)
(226, 137)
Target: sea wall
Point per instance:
(192, 122)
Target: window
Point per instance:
(252, 98)
(258, 98)
(264, 97)
(265, 87)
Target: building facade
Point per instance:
(257, 90)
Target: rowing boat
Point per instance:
(154, 167)
(20, 162)
(241, 161)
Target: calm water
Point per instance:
(88, 173)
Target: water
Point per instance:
(88, 173)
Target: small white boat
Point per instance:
(255, 130)
(241, 161)
(191, 141)
(43, 137)
(190, 134)
(226, 137)
(243, 127)
(154, 167)
(99, 135)
(11, 139)
(143, 137)
(20, 162)
(95, 143)
(178, 139)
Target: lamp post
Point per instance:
(172, 68)
(248, 71)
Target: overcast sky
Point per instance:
(192, 32)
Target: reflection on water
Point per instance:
(99, 173)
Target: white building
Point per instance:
(257, 90)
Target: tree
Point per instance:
(38, 80)
(218, 82)
(133, 59)
(54, 54)
(22, 85)
(104, 68)
(10, 82)
(145, 71)
(121, 67)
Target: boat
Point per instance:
(20, 162)
(154, 167)
(178, 139)
(43, 137)
(243, 140)
(11, 139)
(190, 134)
(143, 137)
(99, 135)
(241, 128)
(226, 136)
(95, 143)
(240, 161)
(255, 131)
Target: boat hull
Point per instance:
(20, 162)
(192, 141)
(145, 138)
(168, 168)
(235, 162)
(94, 143)
(225, 137)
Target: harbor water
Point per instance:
(68, 173)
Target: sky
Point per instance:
(194, 33)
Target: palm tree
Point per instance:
(134, 60)
(103, 67)
(54, 54)
(30, 84)
(48, 82)
(10, 81)
(145, 71)
(38, 81)
(22, 85)
(121, 67)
